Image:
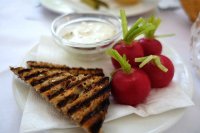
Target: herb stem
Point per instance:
(145, 60)
(124, 22)
(154, 21)
(164, 35)
(126, 67)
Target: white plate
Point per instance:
(69, 6)
(130, 123)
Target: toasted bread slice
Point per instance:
(83, 98)
(72, 70)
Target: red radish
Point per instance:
(131, 51)
(159, 68)
(129, 86)
(128, 45)
(151, 46)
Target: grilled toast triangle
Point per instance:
(83, 98)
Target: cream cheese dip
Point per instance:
(86, 36)
(87, 32)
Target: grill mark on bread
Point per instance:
(56, 89)
(20, 71)
(90, 86)
(49, 86)
(25, 75)
(79, 88)
(101, 107)
(79, 105)
(56, 93)
(69, 86)
(95, 127)
(23, 71)
(73, 70)
(67, 99)
(79, 81)
(37, 82)
(76, 71)
(82, 112)
(101, 81)
(35, 74)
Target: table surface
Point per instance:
(23, 22)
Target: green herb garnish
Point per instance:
(147, 59)
(154, 21)
(141, 26)
(124, 22)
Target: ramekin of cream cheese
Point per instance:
(86, 34)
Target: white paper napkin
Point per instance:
(39, 115)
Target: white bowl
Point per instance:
(86, 50)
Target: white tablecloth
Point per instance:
(23, 22)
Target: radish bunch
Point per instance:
(141, 62)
